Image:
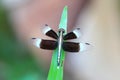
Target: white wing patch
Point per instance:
(77, 33)
(84, 47)
(36, 42)
(46, 29)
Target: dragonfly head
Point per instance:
(61, 30)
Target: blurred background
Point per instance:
(20, 20)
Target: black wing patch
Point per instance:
(71, 46)
(73, 35)
(70, 35)
(49, 32)
(48, 44)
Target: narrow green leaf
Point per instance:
(54, 73)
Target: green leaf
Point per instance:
(54, 73)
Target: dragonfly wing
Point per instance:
(49, 32)
(76, 47)
(73, 35)
(84, 47)
(44, 44)
(71, 46)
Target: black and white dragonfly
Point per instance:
(60, 41)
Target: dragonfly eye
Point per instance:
(61, 29)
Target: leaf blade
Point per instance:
(54, 73)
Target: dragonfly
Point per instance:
(60, 41)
